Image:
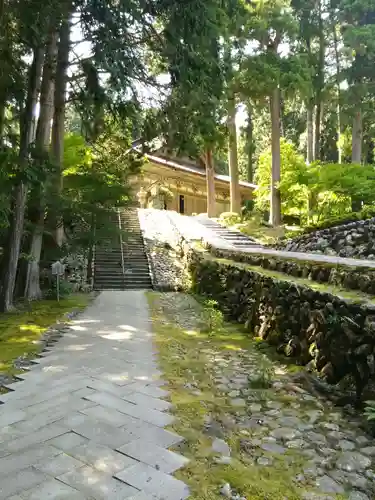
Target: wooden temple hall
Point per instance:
(180, 185)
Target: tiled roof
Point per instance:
(185, 167)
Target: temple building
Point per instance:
(180, 185)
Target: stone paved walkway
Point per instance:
(88, 421)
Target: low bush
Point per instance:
(65, 289)
(367, 212)
(212, 317)
(230, 218)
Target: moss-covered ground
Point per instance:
(19, 330)
(191, 359)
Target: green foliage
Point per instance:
(65, 289)
(322, 193)
(332, 220)
(229, 218)
(96, 180)
(191, 50)
(212, 317)
(293, 185)
(370, 410)
(345, 180)
(264, 376)
(158, 191)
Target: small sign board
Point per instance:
(58, 268)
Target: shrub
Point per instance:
(65, 289)
(230, 218)
(293, 185)
(370, 410)
(212, 317)
(331, 221)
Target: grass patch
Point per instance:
(188, 357)
(20, 329)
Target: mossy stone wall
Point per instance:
(358, 278)
(334, 335)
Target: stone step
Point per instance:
(236, 238)
(99, 280)
(134, 255)
(245, 243)
(130, 253)
(108, 276)
(138, 281)
(108, 256)
(136, 264)
(129, 273)
(123, 284)
(109, 253)
(108, 264)
(125, 287)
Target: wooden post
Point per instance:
(210, 179)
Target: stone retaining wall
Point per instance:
(162, 244)
(336, 337)
(351, 278)
(356, 239)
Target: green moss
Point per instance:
(264, 347)
(352, 296)
(186, 357)
(20, 329)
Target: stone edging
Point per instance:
(49, 338)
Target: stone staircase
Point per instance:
(137, 271)
(235, 238)
(122, 264)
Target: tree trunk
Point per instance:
(210, 179)
(11, 255)
(338, 71)
(320, 85)
(357, 137)
(235, 195)
(275, 202)
(59, 117)
(32, 289)
(90, 257)
(2, 119)
(282, 117)
(250, 143)
(43, 136)
(318, 116)
(310, 132)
